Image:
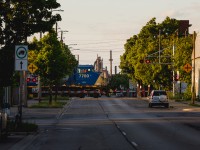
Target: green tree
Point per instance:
(53, 61)
(20, 19)
(146, 45)
(119, 80)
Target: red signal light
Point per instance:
(34, 80)
(147, 61)
(28, 79)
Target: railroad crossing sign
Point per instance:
(21, 57)
(187, 67)
(32, 68)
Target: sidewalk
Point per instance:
(28, 115)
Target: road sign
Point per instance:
(20, 65)
(187, 67)
(21, 52)
(32, 68)
(21, 57)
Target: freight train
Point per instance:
(84, 81)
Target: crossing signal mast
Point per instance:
(148, 60)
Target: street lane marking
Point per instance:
(134, 144)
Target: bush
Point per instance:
(45, 104)
(187, 94)
(12, 126)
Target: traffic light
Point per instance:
(147, 61)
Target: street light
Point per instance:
(71, 44)
(75, 49)
(57, 10)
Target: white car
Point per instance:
(158, 98)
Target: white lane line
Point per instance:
(124, 133)
(134, 144)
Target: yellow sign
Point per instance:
(32, 68)
(187, 67)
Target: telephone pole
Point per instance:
(193, 70)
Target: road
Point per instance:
(118, 124)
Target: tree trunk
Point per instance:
(56, 92)
(50, 94)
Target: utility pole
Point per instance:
(193, 70)
(61, 36)
(173, 72)
(159, 44)
(39, 78)
(56, 29)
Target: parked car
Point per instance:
(158, 98)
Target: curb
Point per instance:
(25, 142)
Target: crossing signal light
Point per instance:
(147, 61)
(34, 79)
(28, 79)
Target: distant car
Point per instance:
(119, 94)
(158, 98)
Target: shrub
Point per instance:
(187, 95)
(12, 126)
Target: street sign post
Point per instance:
(21, 64)
(21, 57)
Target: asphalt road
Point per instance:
(114, 124)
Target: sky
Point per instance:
(98, 26)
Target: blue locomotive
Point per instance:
(84, 75)
(83, 82)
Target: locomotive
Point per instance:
(84, 75)
(83, 82)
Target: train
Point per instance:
(84, 75)
(84, 81)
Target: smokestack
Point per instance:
(110, 63)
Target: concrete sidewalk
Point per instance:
(31, 115)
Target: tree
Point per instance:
(146, 45)
(19, 20)
(52, 60)
(119, 80)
